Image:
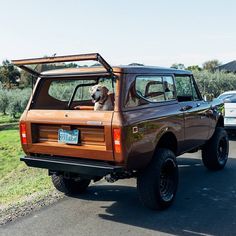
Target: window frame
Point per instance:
(157, 75)
(41, 80)
(193, 85)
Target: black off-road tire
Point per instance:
(215, 151)
(157, 184)
(70, 186)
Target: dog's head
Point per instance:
(98, 93)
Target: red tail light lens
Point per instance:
(23, 133)
(117, 139)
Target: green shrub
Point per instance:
(4, 101)
(215, 82)
(14, 101)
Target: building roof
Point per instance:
(229, 67)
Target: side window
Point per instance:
(169, 89)
(150, 89)
(185, 89)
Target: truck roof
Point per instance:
(117, 69)
(105, 68)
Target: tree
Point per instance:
(16, 100)
(26, 79)
(95, 65)
(136, 64)
(178, 66)
(9, 75)
(194, 68)
(71, 65)
(215, 82)
(4, 102)
(211, 65)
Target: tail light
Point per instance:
(117, 139)
(23, 133)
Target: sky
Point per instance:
(152, 32)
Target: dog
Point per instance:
(103, 101)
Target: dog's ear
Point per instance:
(105, 90)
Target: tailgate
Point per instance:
(94, 128)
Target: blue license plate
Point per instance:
(68, 136)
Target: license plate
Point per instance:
(68, 136)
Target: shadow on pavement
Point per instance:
(205, 203)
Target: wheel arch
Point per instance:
(168, 140)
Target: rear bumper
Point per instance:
(73, 165)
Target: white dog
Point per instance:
(103, 101)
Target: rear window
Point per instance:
(60, 94)
(62, 90)
(231, 99)
(227, 95)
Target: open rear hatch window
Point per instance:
(37, 66)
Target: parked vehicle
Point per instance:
(158, 115)
(229, 99)
(230, 113)
(226, 95)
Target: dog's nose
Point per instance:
(93, 96)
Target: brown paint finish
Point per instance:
(95, 133)
(141, 127)
(151, 123)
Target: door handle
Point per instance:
(185, 108)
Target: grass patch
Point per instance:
(18, 181)
(7, 119)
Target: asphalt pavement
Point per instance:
(205, 205)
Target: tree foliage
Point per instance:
(15, 92)
(135, 64)
(26, 79)
(194, 68)
(178, 66)
(9, 75)
(4, 101)
(211, 65)
(13, 101)
(215, 83)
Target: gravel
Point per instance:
(30, 203)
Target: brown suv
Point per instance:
(158, 114)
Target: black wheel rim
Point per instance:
(168, 180)
(222, 151)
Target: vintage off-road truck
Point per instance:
(158, 115)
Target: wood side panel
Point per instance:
(87, 134)
(108, 134)
(91, 151)
(95, 133)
